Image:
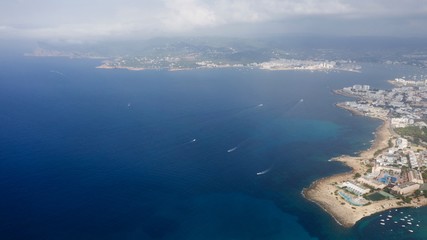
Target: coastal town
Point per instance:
(392, 173)
(197, 61)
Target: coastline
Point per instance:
(106, 66)
(323, 191)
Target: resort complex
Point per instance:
(392, 172)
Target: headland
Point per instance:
(382, 170)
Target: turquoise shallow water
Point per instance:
(90, 153)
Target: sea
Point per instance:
(89, 153)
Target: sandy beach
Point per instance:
(323, 191)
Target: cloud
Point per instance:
(96, 19)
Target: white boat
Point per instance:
(260, 105)
(382, 223)
(410, 230)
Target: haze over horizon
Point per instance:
(81, 21)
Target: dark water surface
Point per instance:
(87, 153)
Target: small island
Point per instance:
(392, 172)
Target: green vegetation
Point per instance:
(376, 153)
(424, 174)
(390, 143)
(417, 193)
(375, 197)
(405, 199)
(416, 134)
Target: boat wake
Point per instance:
(263, 172)
(57, 72)
(231, 149)
(192, 141)
(295, 105)
(188, 142)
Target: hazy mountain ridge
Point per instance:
(185, 53)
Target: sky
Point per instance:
(91, 20)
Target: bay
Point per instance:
(88, 153)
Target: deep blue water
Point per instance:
(87, 153)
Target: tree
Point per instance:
(417, 193)
(407, 199)
(390, 143)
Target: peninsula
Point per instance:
(391, 173)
